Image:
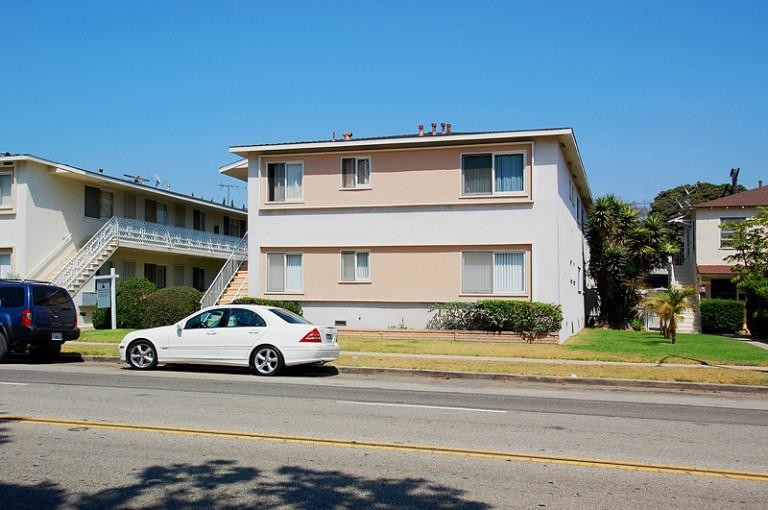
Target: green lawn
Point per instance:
(103, 335)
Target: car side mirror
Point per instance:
(178, 328)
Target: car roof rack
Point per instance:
(21, 280)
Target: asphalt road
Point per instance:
(76, 435)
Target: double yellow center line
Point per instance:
(405, 448)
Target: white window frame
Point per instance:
(10, 170)
(493, 192)
(724, 220)
(11, 262)
(357, 279)
(285, 182)
(523, 292)
(285, 290)
(357, 184)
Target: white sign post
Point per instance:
(106, 288)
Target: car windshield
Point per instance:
(289, 317)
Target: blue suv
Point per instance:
(38, 316)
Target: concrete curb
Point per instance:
(492, 376)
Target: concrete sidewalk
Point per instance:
(548, 361)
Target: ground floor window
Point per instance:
(355, 266)
(493, 272)
(5, 264)
(723, 288)
(284, 272)
(155, 273)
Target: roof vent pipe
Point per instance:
(442, 128)
(434, 128)
(448, 128)
(347, 135)
(421, 129)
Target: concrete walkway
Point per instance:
(547, 361)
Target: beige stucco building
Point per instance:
(371, 232)
(66, 224)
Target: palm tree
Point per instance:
(669, 305)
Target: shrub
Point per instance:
(170, 305)
(721, 316)
(528, 319)
(130, 296)
(292, 306)
(637, 324)
(758, 322)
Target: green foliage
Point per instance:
(720, 316)
(292, 306)
(170, 305)
(637, 324)
(624, 249)
(530, 320)
(131, 295)
(669, 305)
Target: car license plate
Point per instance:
(328, 338)
(57, 337)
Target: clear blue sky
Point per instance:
(659, 93)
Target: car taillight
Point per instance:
(26, 318)
(311, 337)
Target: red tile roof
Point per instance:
(750, 198)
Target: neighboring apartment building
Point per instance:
(371, 232)
(65, 224)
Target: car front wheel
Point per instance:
(142, 355)
(267, 360)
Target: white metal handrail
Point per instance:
(145, 233)
(228, 271)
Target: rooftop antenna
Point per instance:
(137, 178)
(229, 187)
(734, 179)
(159, 180)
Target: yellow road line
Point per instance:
(408, 448)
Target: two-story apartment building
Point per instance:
(371, 232)
(65, 224)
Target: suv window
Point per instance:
(50, 297)
(241, 318)
(11, 297)
(207, 319)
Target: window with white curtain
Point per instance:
(355, 173)
(355, 266)
(284, 272)
(6, 190)
(285, 181)
(491, 174)
(493, 272)
(5, 264)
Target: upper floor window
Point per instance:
(198, 220)
(181, 216)
(234, 227)
(491, 174)
(285, 181)
(355, 266)
(155, 212)
(98, 203)
(727, 231)
(493, 272)
(355, 173)
(6, 189)
(284, 272)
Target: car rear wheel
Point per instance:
(267, 360)
(3, 347)
(142, 355)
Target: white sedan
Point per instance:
(264, 338)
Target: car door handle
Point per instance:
(254, 332)
(211, 333)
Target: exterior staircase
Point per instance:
(685, 276)
(238, 286)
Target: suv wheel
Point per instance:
(3, 347)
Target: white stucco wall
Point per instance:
(707, 233)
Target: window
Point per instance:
(207, 319)
(98, 203)
(234, 227)
(50, 296)
(288, 316)
(490, 174)
(355, 173)
(198, 220)
(129, 206)
(155, 273)
(242, 318)
(5, 264)
(181, 216)
(355, 266)
(285, 181)
(198, 278)
(6, 189)
(11, 297)
(284, 272)
(727, 231)
(493, 272)
(155, 212)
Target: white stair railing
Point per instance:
(83, 258)
(228, 271)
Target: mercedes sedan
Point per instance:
(264, 338)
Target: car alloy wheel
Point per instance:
(267, 360)
(142, 355)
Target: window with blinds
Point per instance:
(285, 181)
(355, 173)
(493, 272)
(284, 272)
(491, 174)
(355, 266)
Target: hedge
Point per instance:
(170, 305)
(292, 306)
(722, 316)
(528, 319)
(130, 296)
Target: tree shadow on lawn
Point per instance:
(222, 484)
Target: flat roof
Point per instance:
(125, 183)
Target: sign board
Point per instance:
(103, 294)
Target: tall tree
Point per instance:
(623, 250)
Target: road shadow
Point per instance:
(296, 371)
(222, 484)
(28, 359)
